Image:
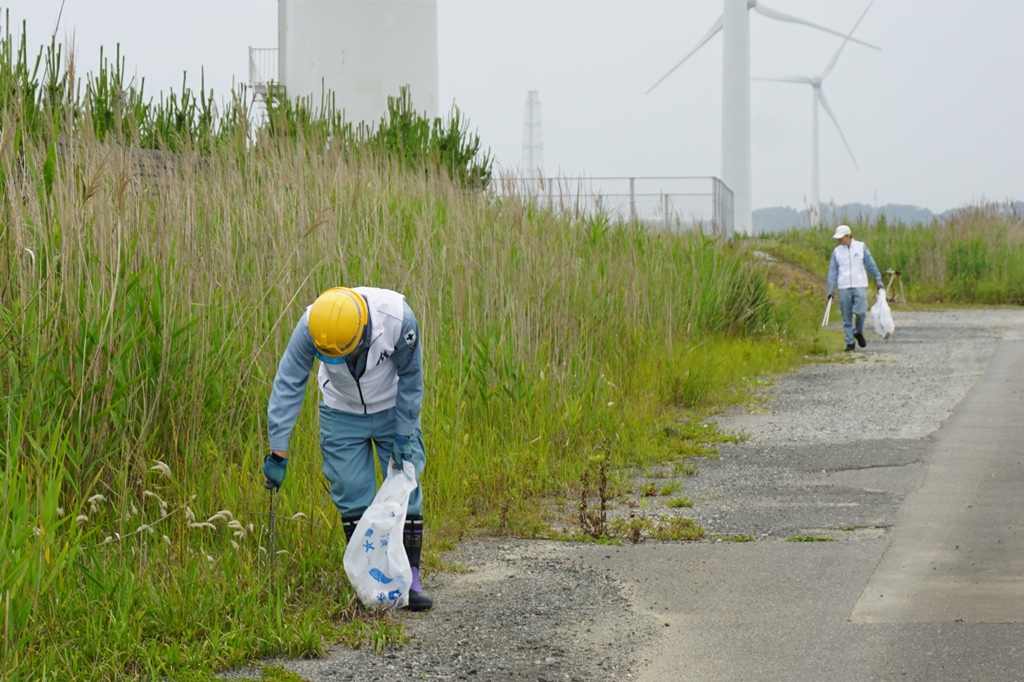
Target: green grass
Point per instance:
(685, 468)
(649, 490)
(977, 256)
(810, 538)
(673, 528)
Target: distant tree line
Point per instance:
(783, 218)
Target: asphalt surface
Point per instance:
(957, 551)
(935, 592)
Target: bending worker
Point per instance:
(848, 270)
(371, 380)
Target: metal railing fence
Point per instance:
(262, 68)
(674, 204)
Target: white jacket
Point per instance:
(377, 389)
(850, 267)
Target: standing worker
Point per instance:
(371, 380)
(848, 270)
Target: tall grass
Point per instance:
(975, 256)
(141, 320)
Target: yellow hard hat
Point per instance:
(336, 323)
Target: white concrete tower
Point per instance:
(361, 51)
(736, 111)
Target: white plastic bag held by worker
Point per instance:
(375, 560)
(882, 314)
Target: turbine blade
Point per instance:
(775, 14)
(788, 79)
(715, 28)
(835, 58)
(828, 110)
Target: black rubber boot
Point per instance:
(860, 340)
(849, 347)
(349, 526)
(412, 539)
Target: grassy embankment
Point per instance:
(976, 257)
(141, 321)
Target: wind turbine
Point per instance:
(735, 27)
(818, 98)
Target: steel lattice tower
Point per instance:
(532, 164)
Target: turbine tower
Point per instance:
(532, 164)
(818, 98)
(735, 27)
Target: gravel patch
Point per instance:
(899, 388)
(524, 610)
(832, 450)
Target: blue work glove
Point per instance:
(274, 468)
(402, 450)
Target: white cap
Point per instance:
(842, 231)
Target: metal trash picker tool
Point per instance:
(828, 309)
(273, 528)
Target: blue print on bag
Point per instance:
(391, 596)
(379, 576)
(368, 546)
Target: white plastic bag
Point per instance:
(375, 559)
(882, 314)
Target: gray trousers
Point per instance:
(854, 305)
(347, 442)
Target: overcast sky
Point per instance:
(934, 119)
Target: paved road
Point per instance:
(938, 595)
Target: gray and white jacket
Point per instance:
(850, 267)
(386, 372)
